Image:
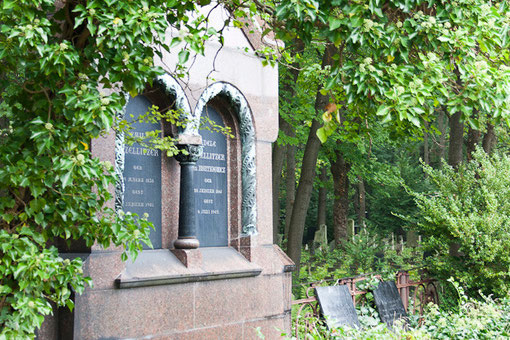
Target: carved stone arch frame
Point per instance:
(166, 92)
(227, 97)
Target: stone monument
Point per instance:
(337, 307)
(412, 239)
(321, 237)
(389, 303)
(214, 271)
(351, 229)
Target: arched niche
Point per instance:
(166, 94)
(226, 95)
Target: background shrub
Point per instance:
(469, 209)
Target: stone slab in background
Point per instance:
(337, 307)
(388, 302)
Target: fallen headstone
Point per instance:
(388, 302)
(336, 306)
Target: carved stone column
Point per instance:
(189, 155)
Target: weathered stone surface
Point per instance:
(142, 170)
(104, 268)
(412, 238)
(133, 313)
(264, 192)
(321, 237)
(49, 328)
(170, 201)
(336, 306)
(241, 299)
(270, 328)
(210, 185)
(388, 302)
(225, 332)
(189, 257)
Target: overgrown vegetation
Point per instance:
(482, 318)
(465, 221)
(467, 209)
(365, 253)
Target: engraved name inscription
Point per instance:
(142, 171)
(210, 186)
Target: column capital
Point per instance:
(188, 153)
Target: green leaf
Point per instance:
(39, 218)
(383, 110)
(386, 119)
(78, 21)
(8, 4)
(90, 26)
(334, 23)
(7, 217)
(330, 83)
(37, 134)
(70, 304)
(175, 41)
(21, 267)
(321, 134)
(183, 56)
(415, 121)
(66, 179)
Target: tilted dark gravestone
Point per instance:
(210, 185)
(142, 171)
(336, 306)
(388, 302)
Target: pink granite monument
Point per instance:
(214, 272)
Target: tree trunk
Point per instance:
(455, 155)
(321, 206)
(472, 141)
(339, 171)
(278, 153)
(489, 139)
(456, 140)
(441, 125)
(304, 189)
(303, 193)
(278, 156)
(426, 153)
(291, 186)
(362, 206)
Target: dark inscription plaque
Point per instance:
(210, 185)
(142, 171)
(388, 302)
(337, 307)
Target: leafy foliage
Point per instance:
(400, 60)
(469, 207)
(366, 253)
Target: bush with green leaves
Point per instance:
(469, 209)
